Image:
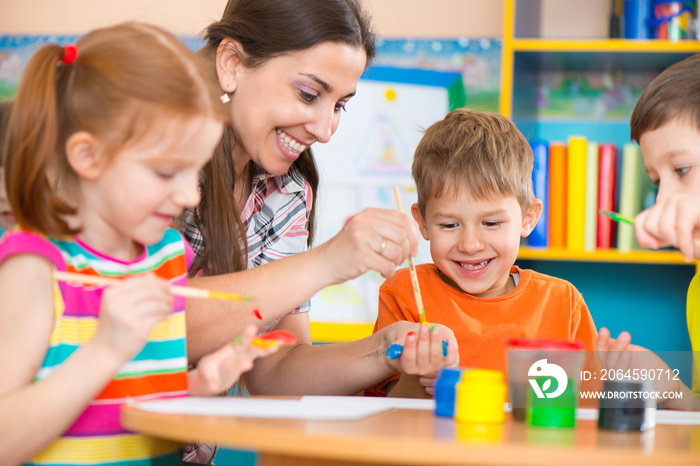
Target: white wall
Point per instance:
(393, 18)
(397, 18)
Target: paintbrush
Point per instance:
(617, 217)
(621, 218)
(412, 270)
(186, 291)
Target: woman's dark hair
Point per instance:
(266, 29)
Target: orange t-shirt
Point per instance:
(540, 306)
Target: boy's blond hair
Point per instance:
(480, 152)
(675, 93)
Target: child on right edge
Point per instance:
(473, 173)
(666, 124)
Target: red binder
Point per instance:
(607, 176)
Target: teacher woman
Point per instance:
(287, 69)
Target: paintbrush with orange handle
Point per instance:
(185, 291)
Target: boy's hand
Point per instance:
(673, 220)
(612, 352)
(423, 351)
(220, 370)
(633, 359)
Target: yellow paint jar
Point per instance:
(481, 394)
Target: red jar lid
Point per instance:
(544, 344)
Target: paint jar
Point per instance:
(445, 388)
(481, 394)
(557, 411)
(557, 360)
(673, 20)
(479, 433)
(627, 406)
(551, 437)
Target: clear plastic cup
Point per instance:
(543, 380)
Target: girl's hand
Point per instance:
(673, 220)
(374, 239)
(129, 311)
(220, 370)
(423, 351)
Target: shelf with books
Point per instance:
(555, 89)
(532, 58)
(607, 255)
(558, 90)
(603, 45)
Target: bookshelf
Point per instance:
(642, 292)
(527, 57)
(607, 255)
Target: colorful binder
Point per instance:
(557, 195)
(631, 194)
(540, 179)
(576, 193)
(607, 181)
(591, 207)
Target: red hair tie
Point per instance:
(69, 54)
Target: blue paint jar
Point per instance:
(445, 391)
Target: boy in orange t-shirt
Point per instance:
(473, 172)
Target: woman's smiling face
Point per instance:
(287, 103)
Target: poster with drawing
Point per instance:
(370, 153)
(413, 83)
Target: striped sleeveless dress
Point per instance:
(158, 371)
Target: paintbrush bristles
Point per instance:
(616, 217)
(228, 296)
(412, 270)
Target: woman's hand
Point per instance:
(374, 239)
(673, 220)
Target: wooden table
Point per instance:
(418, 437)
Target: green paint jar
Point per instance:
(552, 412)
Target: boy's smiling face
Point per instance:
(474, 242)
(672, 157)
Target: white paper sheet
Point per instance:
(338, 408)
(663, 416)
(256, 407)
(372, 401)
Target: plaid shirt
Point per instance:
(274, 217)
